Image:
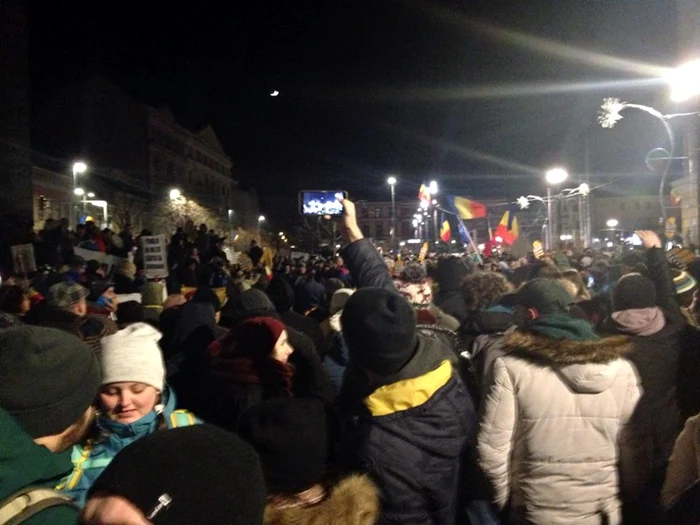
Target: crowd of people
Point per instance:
(358, 389)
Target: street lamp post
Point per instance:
(553, 177)
(433, 191)
(391, 181)
(78, 168)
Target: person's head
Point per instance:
(379, 328)
(206, 295)
(450, 272)
(632, 263)
(13, 300)
(130, 312)
(340, 299)
(301, 269)
(133, 374)
(580, 292)
(78, 264)
(127, 269)
(686, 288)
(246, 305)
(481, 290)
(539, 297)
(69, 297)
(48, 381)
(253, 243)
(339, 262)
(290, 436)
(544, 270)
(203, 228)
(259, 339)
(633, 291)
(281, 294)
(196, 473)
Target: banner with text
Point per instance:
(155, 256)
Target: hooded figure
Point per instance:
(647, 310)
(450, 275)
(556, 407)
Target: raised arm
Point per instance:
(660, 275)
(366, 266)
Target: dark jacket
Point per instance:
(451, 302)
(450, 273)
(656, 421)
(412, 446)
(23, 463)
(124, 285)
(90, 328)
(308, 294)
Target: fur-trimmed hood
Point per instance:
(586, 366)
(353, 501)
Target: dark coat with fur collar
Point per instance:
(555, 415)
(353, 501)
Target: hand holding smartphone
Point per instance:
(315, 202)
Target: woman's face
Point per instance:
(128, 402)
(282, 349)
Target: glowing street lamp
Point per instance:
(553, 177)
(175, 194)
(391, 181)
(261, 218)
(685, 81)
(91, 195)
(433, 187)
(79, 192)
(612, 223)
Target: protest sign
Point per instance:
(23, 258)
(155, 256)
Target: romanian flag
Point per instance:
(445, 233)
(468, 209)
(508, 229)
(424, 194)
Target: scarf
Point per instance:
(274, 376)
(639, 321)
(561, 326)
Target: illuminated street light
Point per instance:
(261, 218)
(281, 234)
(79, 167)
(685, 81)
(556, 176)
(79, 192)
(433, 187)
(175, 194)
(91, 195)
(391, 181)
(424, 205)
(612, 223)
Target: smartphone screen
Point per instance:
(321, 202)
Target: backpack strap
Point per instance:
(27, 502)
(181, 418)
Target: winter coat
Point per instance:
(91, 458)
(452, 303)
(124, 284)
(550, 428)
(336, 361)
(684, 465)
(353, 501)
(307, 326)
(409, 434)
(23, 463)
(656, 422)
(308, 294)
(90, 328)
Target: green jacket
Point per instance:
(23, 463)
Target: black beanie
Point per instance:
(290, 437)
(209, 475)
(204, 294)
(281, 294)
(633, 291)
(379, 327)
(251, 303)
(48, 378)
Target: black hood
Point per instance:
(450, 273)
(487, 322)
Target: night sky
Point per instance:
(423, 90)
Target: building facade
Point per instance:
(136, 154)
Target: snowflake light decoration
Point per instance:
(584, 189)
(524, 203)
(609, 113)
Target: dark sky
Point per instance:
(414, 88)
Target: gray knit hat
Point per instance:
(48, 378)
(66, 294)
(133, 355)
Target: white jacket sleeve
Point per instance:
(496, 428)
(683, 466)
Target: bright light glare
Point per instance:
(685, 81)
(402, 243)
(612, 223)
(91, 195)
(79, 192)
(556, 176)
(433, 188)
(175, 194)
(610, 244)
(498, 238)
(79, 167)
(274, 93)
(391, 181)
(261, 218)
(424, 205)
(281, 234)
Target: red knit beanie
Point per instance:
(255, 338)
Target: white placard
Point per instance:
(155, 256)
(23, 258)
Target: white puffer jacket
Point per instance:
(551, 427)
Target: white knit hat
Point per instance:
(133, 355)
